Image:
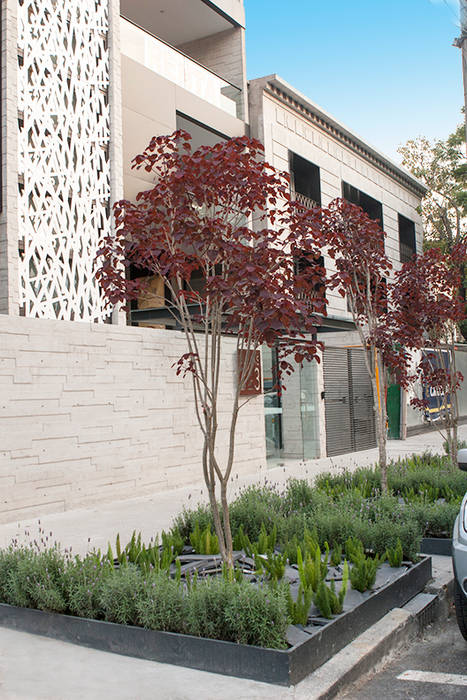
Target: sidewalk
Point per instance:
(86, 528)
(38, 668)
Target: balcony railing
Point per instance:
(173, 65)
(303, 200)
(406, 252)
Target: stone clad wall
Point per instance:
(283, 130)
(91, 413)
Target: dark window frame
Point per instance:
(407, 238)
(298, 165)
(371, 206)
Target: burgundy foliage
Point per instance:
(195, 220)
(219, 230)
(427, 307)
(363, 275)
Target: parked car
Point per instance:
(459, 556)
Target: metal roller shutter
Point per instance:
(348, 402)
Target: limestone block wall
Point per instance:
(282, 129)
(91, 413)
(9, 291)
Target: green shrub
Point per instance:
(273, 563)
(162, 604)
(83, 581)
(382, 535)
(365, 480)
(187, 520)
(265, 542)
(256, 616)
(120, 595)
(435, 519)
(204, 541)
(205, 606)
(334, 524)
(336, 554)
(172, 541)
(299, 496)
(363, 572)
(394, 554)
(36, 580)
(290, 532)
(298, 609)
(311, 570)
(9, 561)
(326, 599)
(254, 508)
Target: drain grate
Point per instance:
(423, 608)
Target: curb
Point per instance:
(399, 627)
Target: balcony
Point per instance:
(175, 66)
(303, 199)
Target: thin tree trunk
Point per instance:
(211, 487)
(228, 558)
(380, 433)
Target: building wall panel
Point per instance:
(95, 413)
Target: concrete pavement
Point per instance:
(37, 668)
(434, 667)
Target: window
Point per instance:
(305, 181)
(370, 206)
(201, 135)
(303, 264)
(407, 245)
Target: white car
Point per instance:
(459, 556)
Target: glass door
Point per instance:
(272, 404)
(309, 403)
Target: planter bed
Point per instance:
(436, 545)
(314, 645)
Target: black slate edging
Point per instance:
(282, 667)
(436, 545)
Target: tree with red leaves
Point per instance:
(356, 243)
(428, 307)
(196, 223)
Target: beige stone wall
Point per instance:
(9, 290)
(149, 108)
(223, 53)
(283, 130)
(91, 413)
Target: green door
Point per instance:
(394, 411)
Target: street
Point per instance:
(434, 666)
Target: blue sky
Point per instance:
(386, 68)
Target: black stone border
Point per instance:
(436, 545)
(282, 667)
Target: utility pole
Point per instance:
(461, 43)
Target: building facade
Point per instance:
(91, 409)
(328, 408)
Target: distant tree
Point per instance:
(442, 167)
(222, 276)
(356, 243)
(427, 307)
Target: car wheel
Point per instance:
(460, 603)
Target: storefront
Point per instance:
(291, 410)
